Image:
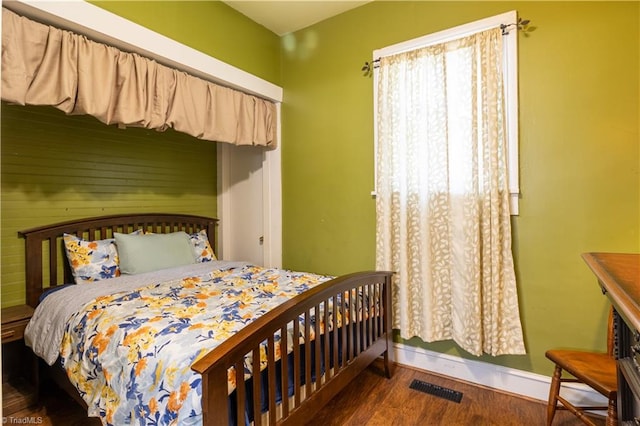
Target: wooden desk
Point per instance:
(619, 278)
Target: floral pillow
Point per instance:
(92, 260)
(201, 247)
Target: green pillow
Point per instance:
(146, 253)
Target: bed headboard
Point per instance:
(45, 259)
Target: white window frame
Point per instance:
(508, 19)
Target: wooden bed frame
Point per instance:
(349, 348)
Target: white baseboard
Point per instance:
(524, 383)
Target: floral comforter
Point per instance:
(129, 354)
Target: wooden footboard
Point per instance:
(355, 307)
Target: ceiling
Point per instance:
(283, 17)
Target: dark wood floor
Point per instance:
(369, 400)
(374, 400)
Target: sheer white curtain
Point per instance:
(443, 221)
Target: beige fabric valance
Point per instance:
(43, 65)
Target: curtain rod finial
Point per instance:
(368, 67)
(521, 25)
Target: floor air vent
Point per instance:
(436, 390)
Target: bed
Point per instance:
(254, 373)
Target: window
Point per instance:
(510, 75)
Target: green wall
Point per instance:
(56, 167)
(579, 156)
(210, 27)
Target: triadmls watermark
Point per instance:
(25, 420)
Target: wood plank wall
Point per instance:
(56, 167)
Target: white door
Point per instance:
(242, 213)
(249, 204)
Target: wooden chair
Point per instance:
(595, 369)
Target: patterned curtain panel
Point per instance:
(42, 65)
(443, 221)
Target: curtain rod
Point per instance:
(522, 25)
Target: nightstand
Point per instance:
(19, 364)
